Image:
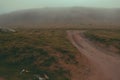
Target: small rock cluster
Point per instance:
(6, 30)
(36, 76)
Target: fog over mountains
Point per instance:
(62, 17)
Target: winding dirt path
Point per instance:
(103, 66)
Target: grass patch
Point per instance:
(36, 51)
(106, 37)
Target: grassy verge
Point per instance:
(109, 38)
(39, 52)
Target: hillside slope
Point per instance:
(31, 53)
(62, 17)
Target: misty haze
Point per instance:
(60, 40)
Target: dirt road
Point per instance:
(103, 66)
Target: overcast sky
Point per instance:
(12, 5)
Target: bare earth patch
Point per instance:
(103, 66)
(1, 78)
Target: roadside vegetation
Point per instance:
(27, 54)
(109, 39)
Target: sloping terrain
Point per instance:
(107, 39)
(29, 54)
(103, 65)
(74, 17)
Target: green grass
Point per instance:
(106, 37)
(35, 50)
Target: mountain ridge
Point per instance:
(59, 17)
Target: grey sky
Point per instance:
(11, 5)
